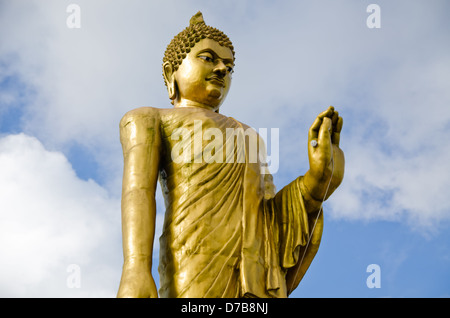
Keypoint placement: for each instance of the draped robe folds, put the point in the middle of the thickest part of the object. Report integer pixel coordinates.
(224, 234)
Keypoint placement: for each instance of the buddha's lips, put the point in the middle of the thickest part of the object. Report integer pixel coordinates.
(216, 80)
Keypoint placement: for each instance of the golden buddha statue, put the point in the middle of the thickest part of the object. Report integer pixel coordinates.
(226, 233)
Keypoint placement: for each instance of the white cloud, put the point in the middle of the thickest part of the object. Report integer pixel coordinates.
(385, 182)
(51, 219)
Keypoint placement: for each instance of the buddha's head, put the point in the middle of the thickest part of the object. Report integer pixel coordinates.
(197, 66)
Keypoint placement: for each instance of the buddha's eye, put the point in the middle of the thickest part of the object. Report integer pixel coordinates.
(230, 69)
(206, 57)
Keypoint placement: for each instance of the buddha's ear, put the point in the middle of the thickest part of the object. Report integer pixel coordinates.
(170, 80)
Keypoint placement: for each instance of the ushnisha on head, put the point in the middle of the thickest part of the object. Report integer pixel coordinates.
(197, 65)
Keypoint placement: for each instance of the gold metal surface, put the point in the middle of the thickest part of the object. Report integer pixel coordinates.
(227, 232)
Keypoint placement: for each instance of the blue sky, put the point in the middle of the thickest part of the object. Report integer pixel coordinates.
(63, 92)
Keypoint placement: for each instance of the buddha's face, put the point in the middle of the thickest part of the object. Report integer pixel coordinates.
(204, 76)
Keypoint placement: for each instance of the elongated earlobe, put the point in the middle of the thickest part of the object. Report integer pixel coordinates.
(170, 80)
(172, 90)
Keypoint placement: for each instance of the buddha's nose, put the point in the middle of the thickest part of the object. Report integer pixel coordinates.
(220, 68)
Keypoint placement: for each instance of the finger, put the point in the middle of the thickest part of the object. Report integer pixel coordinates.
(324, 138)
(339, 125)
(327, 113)
(335, 118)
(336, 136)
(314, 129)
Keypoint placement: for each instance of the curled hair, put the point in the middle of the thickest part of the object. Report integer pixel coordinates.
(184, 41)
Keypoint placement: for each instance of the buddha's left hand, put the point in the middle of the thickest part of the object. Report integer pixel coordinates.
(326, 159)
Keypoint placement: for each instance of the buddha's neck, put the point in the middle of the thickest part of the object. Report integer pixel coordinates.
(190, 103)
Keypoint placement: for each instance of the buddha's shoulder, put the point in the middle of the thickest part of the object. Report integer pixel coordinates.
(151, 115)
(143, 113)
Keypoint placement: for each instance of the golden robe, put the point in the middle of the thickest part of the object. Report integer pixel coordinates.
(225, 234)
